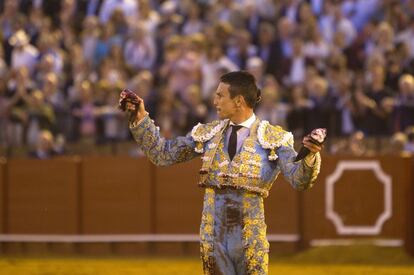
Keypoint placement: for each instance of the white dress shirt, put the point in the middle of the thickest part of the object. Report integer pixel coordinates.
(242, 133)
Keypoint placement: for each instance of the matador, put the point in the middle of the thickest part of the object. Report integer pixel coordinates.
(242, 156)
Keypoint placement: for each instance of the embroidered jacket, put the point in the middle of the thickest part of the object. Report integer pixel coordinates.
(264, 154)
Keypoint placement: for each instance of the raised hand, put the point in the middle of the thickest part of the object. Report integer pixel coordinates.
(132, 104)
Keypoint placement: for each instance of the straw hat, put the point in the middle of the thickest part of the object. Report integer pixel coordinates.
(20, 38)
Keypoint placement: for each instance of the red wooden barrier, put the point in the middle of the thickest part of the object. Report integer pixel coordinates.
(116, 195)
(42, 196)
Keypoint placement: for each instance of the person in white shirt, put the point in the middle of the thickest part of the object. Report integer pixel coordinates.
(23, 54)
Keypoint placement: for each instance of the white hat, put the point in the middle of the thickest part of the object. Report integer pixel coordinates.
(20, 38)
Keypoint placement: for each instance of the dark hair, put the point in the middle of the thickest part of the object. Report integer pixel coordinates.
(242, 83)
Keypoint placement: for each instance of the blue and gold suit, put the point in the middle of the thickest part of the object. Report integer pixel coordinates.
(233, 229)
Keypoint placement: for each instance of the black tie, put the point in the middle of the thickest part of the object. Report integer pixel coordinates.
(233, 141)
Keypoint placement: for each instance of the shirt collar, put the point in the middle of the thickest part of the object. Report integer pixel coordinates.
(247, 123)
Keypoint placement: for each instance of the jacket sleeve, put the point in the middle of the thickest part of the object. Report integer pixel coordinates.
(299, 174)
(160, 151)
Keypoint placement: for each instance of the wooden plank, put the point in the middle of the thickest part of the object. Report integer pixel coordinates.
(3, 198)
(281, 208)
(178, 198)
(359, 199)
(42, 196)
(116, 195)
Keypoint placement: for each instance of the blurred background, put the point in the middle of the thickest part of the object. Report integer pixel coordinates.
(74, 184)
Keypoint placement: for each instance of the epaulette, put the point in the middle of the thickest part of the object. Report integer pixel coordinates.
(204, 132)
(271, 137)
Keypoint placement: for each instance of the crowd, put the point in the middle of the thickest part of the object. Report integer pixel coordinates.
(344, 65)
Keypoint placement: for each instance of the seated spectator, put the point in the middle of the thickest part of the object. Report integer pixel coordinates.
(404, 107)
(409, 146)
(354, 145)
(397, 144)
(44, 146)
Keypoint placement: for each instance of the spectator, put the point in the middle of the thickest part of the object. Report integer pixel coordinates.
(183, 68)
(213, 62)
(407, 36)
(283, 47)
(378, 103)
(256, 68)
(171, 113)
(405, 103)
(149, 17)
(143, 84)
(140, 50)
(355, 145)
(242, 49)
(300, 104)
(316, 49)
(89, 38)
(128, 7)
(4, 115)
(49, 45)
(193, 23)
(296, 64)
(333, 21)
(307, 22)
(267, 49)
(23, 53)
(229, 11)
(85, 114)
(321, 113)
(20, 87)
(409, 146)
(106, 40)
(271, 107)
(382, 40)
(398, 143)
(44, 146)
(197, 110)
(111, 117)
(41, 116)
